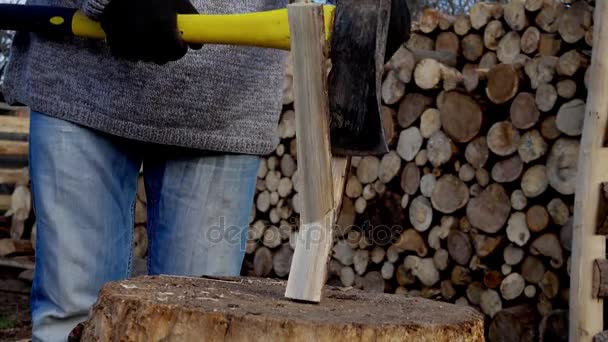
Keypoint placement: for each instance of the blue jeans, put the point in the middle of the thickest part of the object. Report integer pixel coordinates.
(84, 185)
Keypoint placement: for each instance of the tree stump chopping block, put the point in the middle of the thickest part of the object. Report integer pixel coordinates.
(164, 308)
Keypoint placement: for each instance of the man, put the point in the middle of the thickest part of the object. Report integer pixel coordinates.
(196, 119)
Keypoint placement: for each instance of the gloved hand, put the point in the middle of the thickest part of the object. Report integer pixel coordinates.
(146, 30)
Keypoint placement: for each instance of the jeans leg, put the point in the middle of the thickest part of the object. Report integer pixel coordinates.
(84, 186)
(198, 212)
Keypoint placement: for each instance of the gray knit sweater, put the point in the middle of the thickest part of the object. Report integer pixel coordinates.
(221, 98)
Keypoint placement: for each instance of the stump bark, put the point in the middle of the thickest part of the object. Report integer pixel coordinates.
(163, 308)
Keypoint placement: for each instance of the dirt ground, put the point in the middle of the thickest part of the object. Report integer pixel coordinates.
(15, 322)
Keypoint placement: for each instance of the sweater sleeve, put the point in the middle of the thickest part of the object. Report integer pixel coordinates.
(94, 8)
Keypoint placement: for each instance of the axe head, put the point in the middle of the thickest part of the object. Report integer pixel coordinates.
(366, 34)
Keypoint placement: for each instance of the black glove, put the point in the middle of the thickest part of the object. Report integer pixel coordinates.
(146, 30)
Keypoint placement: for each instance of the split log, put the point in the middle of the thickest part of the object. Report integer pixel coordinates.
(532, 269)
(570, 117)
(410, 178)
(532, 146)
(503, 83)
(512, 286)
(489, 211)
(392, 88)
(439, 149)
(411, 107)
(492, 35)
(549, 44)
(559, 211)
(537, 218)
(509, 47)
(477, 153)
(570, 62)
(540, 70)
(466, 173)
(515, 15)
(546, 96)
(262, 262)
(513, 255)
(517, 323)
(410, 240)
(517, 229)
(459, 247)
(507, 170)
(503, 138)
(518, 200)
(448, 42)
(482, 12)
(430, 122)
(472, 47)
(421, 213)
(548, 245)
(535, 181)
(389, 167)
(530, 40)
(566, 88)
(575, 21)
(490, 302)
(461, 116)
(524, 113)
(548, 128)
(562, 165)
(450, 194)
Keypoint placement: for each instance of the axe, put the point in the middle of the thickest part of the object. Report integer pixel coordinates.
(336, 116)
(362, 35)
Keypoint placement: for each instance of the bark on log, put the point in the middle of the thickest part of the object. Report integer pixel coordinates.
(133, 309)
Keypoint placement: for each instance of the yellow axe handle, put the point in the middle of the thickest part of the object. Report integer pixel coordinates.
(269, 29)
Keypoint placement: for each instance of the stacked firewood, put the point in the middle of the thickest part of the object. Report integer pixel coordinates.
(473, 204)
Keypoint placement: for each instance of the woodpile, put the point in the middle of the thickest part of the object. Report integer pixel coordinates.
(473, 204)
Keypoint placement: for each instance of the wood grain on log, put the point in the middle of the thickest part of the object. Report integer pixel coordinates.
(450, 194)
(503, 138)
(562, 165)
(509, 47)
(512, 286)
(548, 245)
(482, 12)
(489, 211)
(493, 32)
(517, 229)
(537, 218)
(118, 300)
(449, 42)
(532, 269)
(461, 116)
(570, 117)
(515, 15)
(503, 83)
(477, 152)
(524, 113)
(439, 149)
(459, 247)
(392, 88)
(530, 40)
(549, 44)
(410, 240)
(411, 107)
(507, 170)
(410, 178)
(548, 128)
(462, 25)
(540, 70)
(548, 17)
(566, 88)
(575, 21)
(532, 146)
(472, 47)
(513, 255)
(421, 213)
(535, 181)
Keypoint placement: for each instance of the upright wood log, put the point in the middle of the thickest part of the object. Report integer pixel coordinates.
(199, 309)
(586, 313)
(308, 268)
